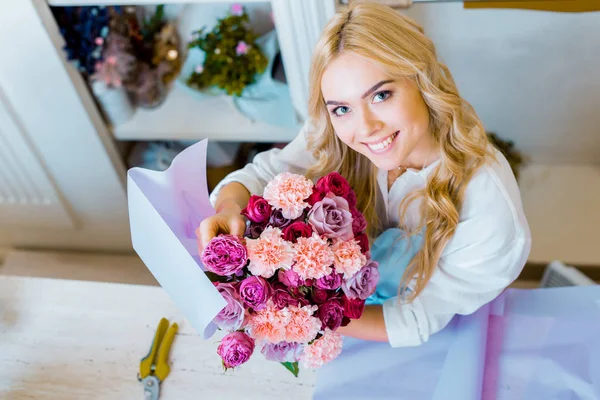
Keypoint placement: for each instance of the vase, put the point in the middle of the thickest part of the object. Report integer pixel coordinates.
(114, 102)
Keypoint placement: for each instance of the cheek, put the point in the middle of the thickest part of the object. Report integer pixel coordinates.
(343, 130)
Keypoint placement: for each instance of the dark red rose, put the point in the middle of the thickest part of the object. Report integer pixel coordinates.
(363, 242)
(295, 230)
(353, 308)
(359, 223)
(315, 197)
(338, 185)
(331, 314)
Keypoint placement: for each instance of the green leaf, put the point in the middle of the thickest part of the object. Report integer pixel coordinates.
(292, 367)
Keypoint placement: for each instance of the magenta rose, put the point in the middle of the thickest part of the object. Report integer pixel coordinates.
(363, 283)
(295, 230)
(282, 298)
(254, 292)
(289, 278)
(277, 219)
(353, 308)
(231, 317)
(331, 218)
(224, 255)
(283, 351)
(235, 349)
(338, 185)
(258, 210)
(330, 282)
(359, 223)
(331, 314)
(363, 242)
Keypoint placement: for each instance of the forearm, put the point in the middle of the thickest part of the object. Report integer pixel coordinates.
(370, 326)
(232, 196)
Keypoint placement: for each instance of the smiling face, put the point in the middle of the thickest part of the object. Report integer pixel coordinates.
(386, 120)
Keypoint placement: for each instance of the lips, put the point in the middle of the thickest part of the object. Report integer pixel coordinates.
(382, 145)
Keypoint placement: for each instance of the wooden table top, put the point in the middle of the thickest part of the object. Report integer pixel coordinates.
(65, 339)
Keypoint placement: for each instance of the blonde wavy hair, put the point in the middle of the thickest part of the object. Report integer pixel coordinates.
(398, 45)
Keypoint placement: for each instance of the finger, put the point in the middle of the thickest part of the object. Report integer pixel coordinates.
(237, 227)
(208, 230)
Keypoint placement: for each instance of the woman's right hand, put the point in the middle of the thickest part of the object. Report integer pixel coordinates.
(227, 220)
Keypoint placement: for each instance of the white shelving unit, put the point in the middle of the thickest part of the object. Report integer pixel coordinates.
(183, 117)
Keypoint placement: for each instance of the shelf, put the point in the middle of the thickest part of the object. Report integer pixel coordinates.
(183, 117)
(561, 205)
(72, 3)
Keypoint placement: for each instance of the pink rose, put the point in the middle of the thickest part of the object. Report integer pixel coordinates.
(331, 218)
(330, 282)
(254, 292)
(338, 185)
(289, 278)
(282, 298)
(359, 224)
(224, 255)
(235, 349)
(258, 210)
(296, 230)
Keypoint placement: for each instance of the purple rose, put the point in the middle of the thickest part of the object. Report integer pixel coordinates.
(254, 292)
(277, 219)
(224, 255)
(282, 297)
(235, 349)
(359, 223)
(289, 278)
(363, 283)
(330, 282)
(331, 314)
(283, 351)
(331, 218)
(231, 317)
(258, 210)
(253, 230)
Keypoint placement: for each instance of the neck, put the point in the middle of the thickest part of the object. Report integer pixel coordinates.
(422, 155)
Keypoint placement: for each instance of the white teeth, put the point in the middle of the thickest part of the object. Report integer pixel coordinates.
(382, 145)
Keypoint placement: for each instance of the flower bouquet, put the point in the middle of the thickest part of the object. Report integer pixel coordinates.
(301, 270)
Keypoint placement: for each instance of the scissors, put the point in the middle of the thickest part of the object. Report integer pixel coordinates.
(154, 368)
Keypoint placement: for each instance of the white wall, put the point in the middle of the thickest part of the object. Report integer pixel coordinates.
(532, 76)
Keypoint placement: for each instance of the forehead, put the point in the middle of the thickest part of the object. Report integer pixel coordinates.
(349, 76)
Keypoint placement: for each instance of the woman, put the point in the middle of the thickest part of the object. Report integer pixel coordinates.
(442, 203)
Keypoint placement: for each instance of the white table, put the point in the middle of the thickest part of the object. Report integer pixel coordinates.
(64, 339)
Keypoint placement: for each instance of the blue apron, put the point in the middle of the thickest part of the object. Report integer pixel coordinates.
(393, 251)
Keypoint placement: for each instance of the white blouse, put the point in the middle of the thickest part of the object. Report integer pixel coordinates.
(486, 254)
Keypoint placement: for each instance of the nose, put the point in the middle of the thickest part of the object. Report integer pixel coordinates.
(370, 125)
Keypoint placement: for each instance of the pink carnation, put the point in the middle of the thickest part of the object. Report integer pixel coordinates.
(302, 327)
(323, 350)
(348, 257)
(313, 257)
(269, 324)
(269, 253)
(287, 192)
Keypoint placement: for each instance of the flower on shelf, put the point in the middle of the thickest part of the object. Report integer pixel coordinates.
(232, 59)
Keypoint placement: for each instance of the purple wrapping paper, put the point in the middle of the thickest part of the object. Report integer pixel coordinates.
(526, 344)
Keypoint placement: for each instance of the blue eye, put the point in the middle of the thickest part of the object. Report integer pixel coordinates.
(382, 96)
(339, 111)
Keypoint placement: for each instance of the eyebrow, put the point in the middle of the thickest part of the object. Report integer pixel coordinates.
(367, 93)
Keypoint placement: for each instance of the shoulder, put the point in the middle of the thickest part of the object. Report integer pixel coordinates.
(491, 217)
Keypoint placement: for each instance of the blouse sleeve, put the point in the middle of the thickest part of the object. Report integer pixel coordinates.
(486, 254)
(255, 175)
